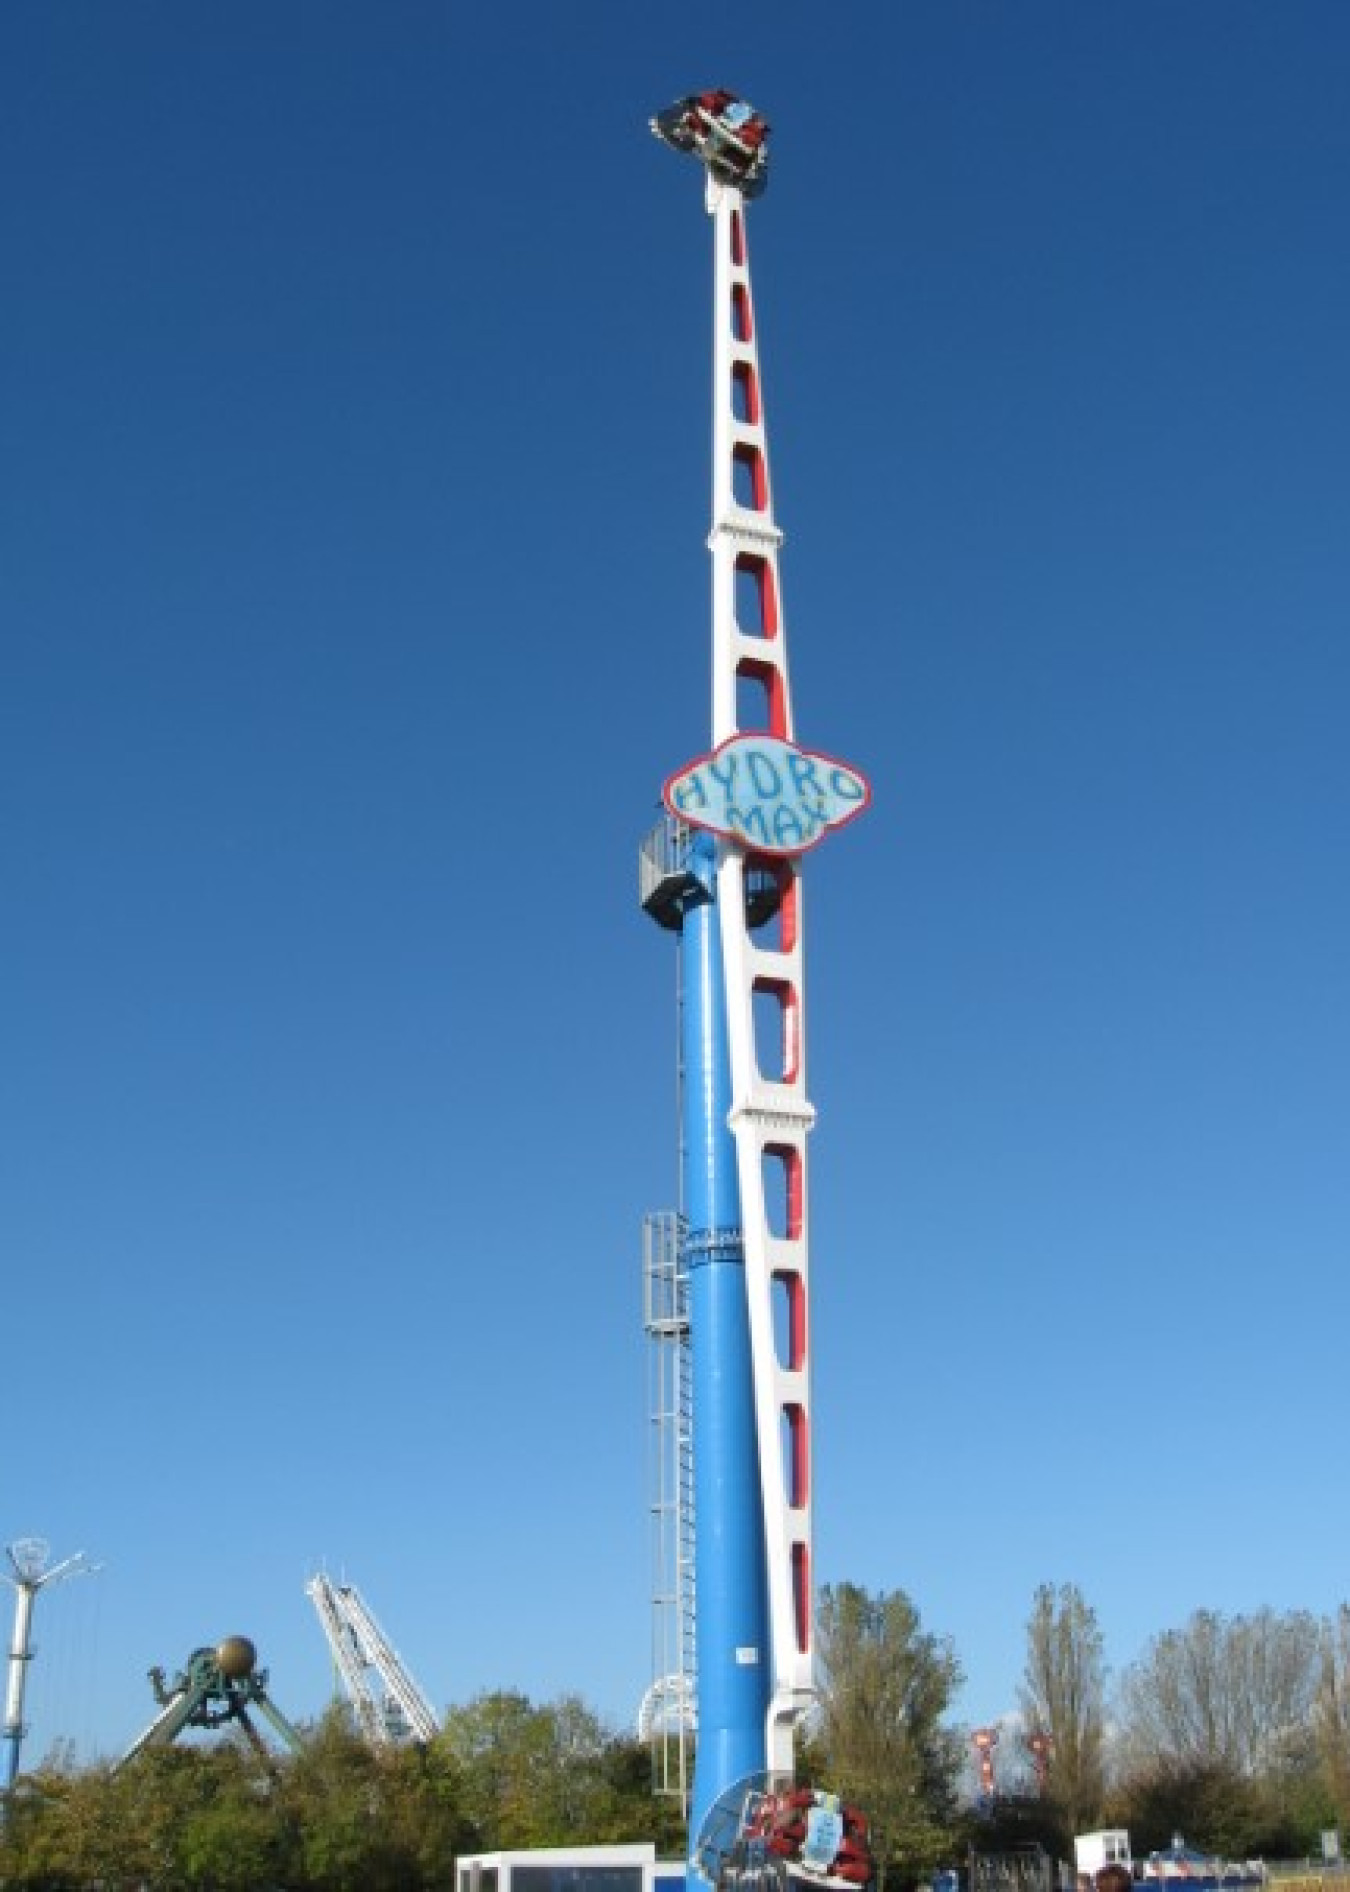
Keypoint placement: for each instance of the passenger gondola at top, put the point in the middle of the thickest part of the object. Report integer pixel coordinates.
(725, 132)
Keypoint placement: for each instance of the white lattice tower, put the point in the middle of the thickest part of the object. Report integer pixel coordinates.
(360, 1651)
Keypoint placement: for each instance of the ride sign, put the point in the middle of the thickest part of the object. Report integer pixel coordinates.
(824, 1834)
(767, 794)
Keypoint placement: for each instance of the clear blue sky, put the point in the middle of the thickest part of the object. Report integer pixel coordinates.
(353, 604)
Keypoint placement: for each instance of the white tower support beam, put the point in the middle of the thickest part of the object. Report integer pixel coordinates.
(770, 1114)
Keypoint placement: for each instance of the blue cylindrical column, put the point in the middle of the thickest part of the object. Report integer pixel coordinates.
(729, 1558)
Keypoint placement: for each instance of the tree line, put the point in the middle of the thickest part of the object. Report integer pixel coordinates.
(1233, 1730)
(340, 1815)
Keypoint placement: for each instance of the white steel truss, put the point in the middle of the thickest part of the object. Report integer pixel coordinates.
(765, 995)
(388, 1704)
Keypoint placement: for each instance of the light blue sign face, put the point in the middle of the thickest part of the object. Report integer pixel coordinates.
(824, 1836)
(767, 794)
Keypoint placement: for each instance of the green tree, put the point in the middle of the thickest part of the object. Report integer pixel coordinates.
(1237, 1816)
(367, 1819)
(340, 1816)
(182, 1817)
(56, 1830)
(1233, 1731)
(641, 1812)
(1222, 1695)
(540, 1775)
(1331, 1716)
(226, 1832)
(1062, 1696)
(886, 1684)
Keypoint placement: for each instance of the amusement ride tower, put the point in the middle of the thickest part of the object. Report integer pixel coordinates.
(33, 1571)
(722, 870)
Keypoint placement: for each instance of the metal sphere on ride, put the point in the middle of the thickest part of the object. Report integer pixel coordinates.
(236, 1657)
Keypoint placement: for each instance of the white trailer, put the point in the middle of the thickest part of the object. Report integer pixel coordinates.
(630, 1868)
(1111, 1847)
